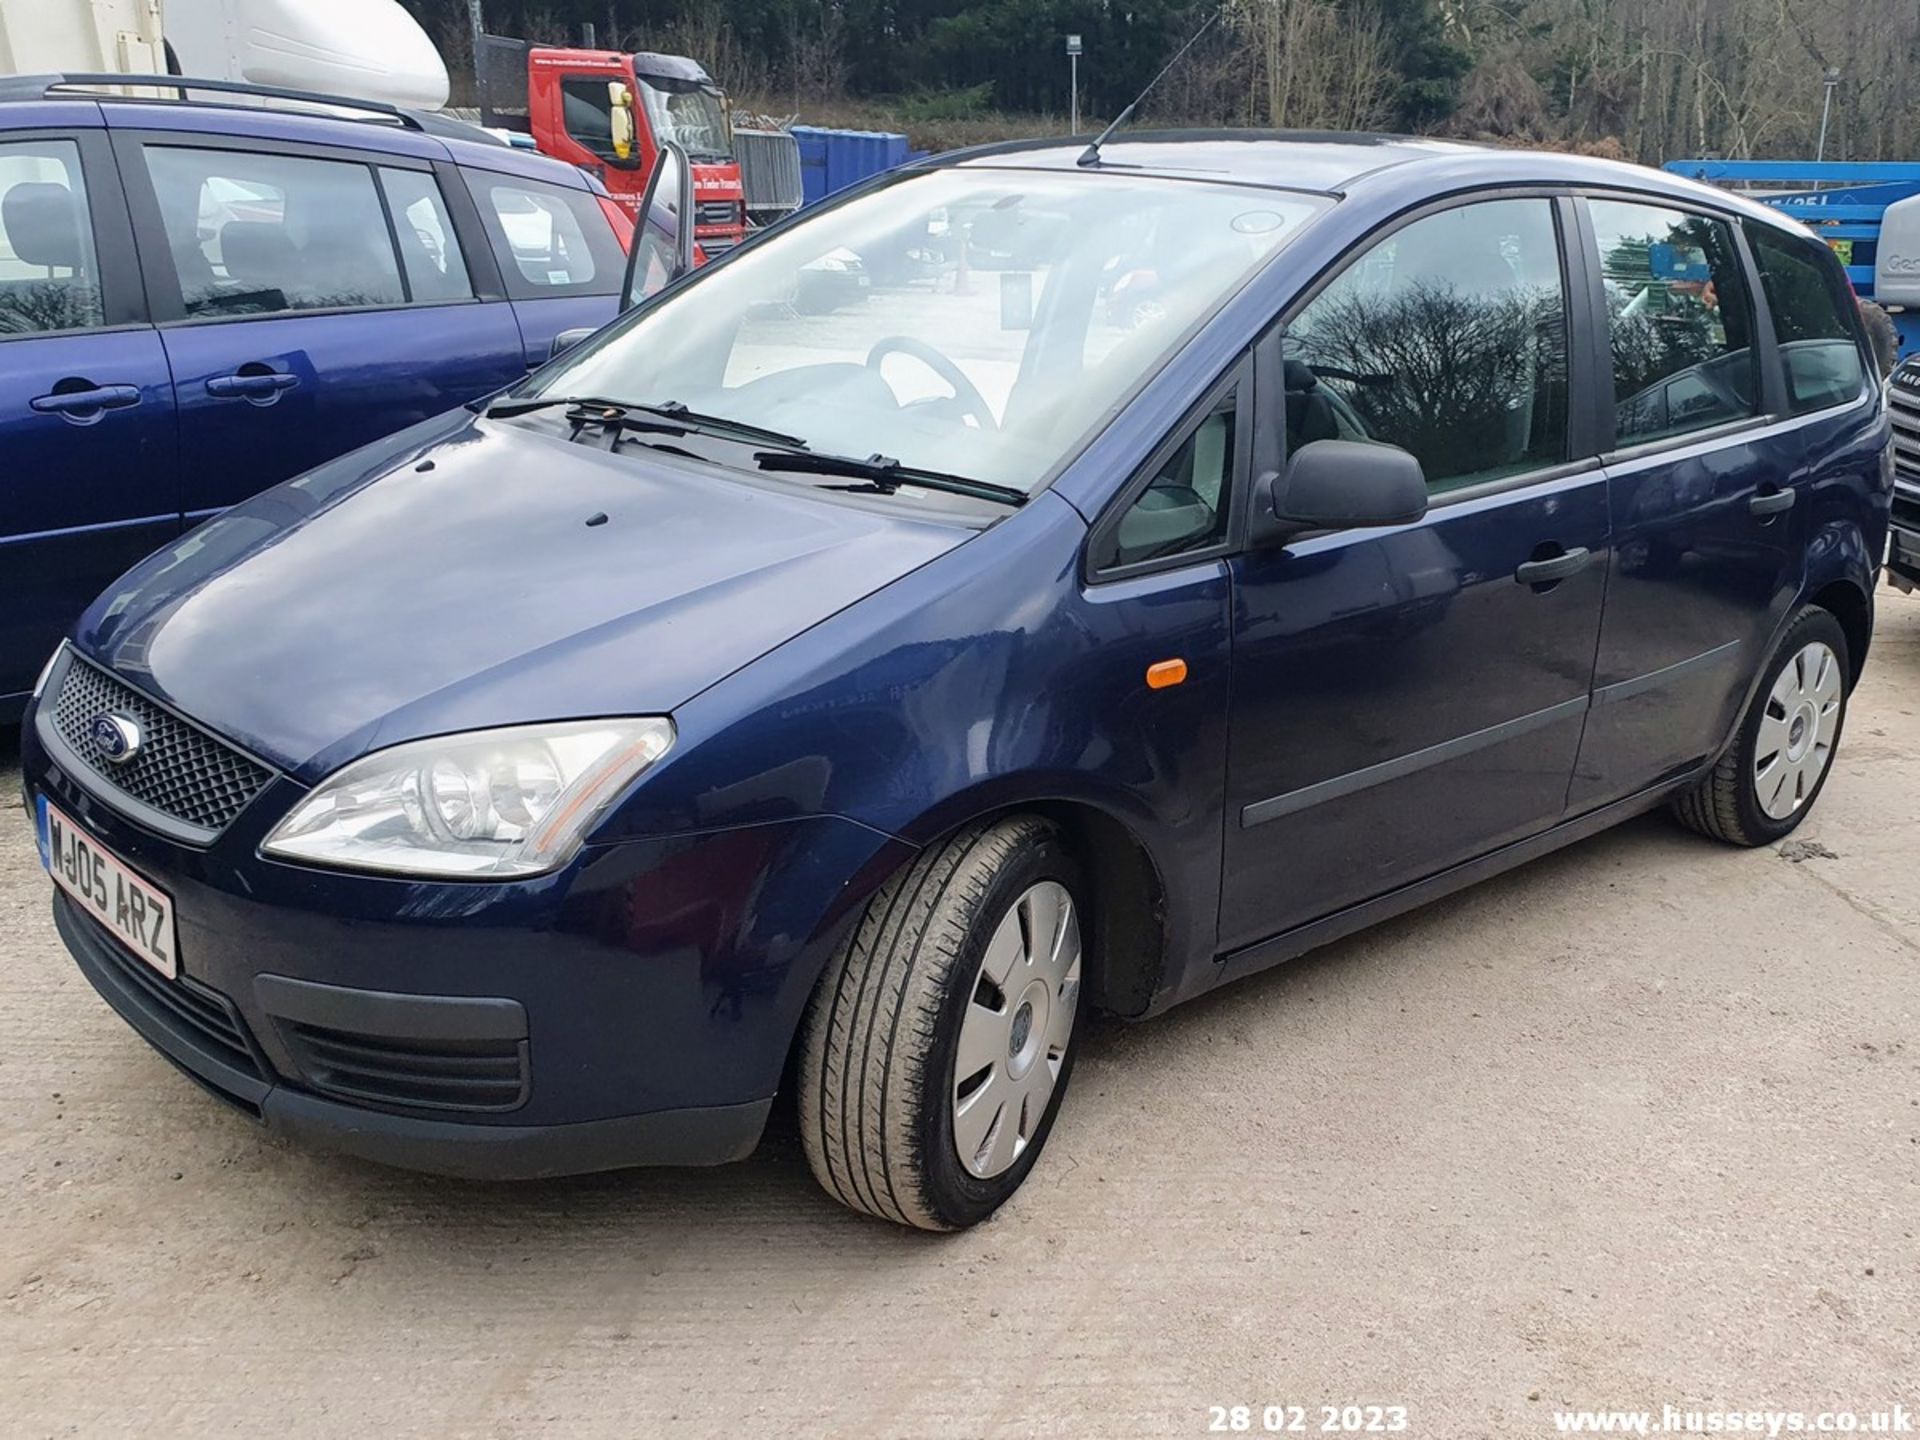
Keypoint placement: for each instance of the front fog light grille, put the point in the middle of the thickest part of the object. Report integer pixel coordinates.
(433, 1074)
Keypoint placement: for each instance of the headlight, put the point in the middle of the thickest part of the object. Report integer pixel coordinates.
(484, 805)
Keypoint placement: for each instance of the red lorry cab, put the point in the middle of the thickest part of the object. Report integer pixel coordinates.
(609, 112)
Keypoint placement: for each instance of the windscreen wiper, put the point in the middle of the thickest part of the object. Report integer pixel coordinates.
(885, 474)
(595, 410)
(506, 409)
(720, 424)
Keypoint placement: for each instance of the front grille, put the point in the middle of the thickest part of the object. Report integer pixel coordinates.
(1906, 507)
(424, 1074)
(717, 212)
(180, 770)
(197, 1017)
(714, 245)
(1903, 409)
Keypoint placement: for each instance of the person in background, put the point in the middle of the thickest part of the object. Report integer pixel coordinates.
(1883, 337)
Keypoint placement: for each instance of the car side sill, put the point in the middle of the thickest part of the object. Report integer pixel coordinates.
(1291, 944)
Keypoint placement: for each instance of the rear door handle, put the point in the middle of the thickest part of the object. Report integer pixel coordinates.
(85, 406)
(1554, 567)
(1772, 502)
(265, 386)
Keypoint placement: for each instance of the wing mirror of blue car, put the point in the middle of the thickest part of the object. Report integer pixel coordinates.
(662, 247)
(567, 339)
(1338, 485)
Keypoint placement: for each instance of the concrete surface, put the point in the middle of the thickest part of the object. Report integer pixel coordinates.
(1639, 1124)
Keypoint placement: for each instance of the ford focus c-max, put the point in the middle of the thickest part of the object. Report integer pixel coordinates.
(1183, 559)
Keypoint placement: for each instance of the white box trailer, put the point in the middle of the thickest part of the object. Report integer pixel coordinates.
(124, 37)
(361, 49)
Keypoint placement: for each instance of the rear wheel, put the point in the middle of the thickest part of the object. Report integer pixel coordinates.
(940, 1041)
(1768, 780)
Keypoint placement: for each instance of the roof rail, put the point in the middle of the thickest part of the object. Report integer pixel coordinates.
(45, 87)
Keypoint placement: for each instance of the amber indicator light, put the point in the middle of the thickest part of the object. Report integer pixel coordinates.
(1163, 673)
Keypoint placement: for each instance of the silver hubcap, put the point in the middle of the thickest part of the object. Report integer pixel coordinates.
(1014, 1035)
(1796, 733)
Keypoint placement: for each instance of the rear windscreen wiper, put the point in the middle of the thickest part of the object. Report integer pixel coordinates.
(886, 474)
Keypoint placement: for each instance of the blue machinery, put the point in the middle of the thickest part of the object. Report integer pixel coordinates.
(1846, 204)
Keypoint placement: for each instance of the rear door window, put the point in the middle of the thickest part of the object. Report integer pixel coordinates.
(253, 234)
(1815, 318)
(49, 275)
(549, 239)
(1679, 321)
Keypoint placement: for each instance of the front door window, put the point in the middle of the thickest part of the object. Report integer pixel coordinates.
(1448, 339)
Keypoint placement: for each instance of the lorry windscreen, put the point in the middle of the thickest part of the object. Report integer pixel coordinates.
(687, 112)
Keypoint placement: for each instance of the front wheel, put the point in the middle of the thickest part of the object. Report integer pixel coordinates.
(1768, 780)
(940, 1041)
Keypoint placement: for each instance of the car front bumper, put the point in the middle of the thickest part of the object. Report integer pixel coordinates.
(635, 1008)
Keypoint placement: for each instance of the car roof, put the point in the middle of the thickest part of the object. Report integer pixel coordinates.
(423, 136)
(1338, 163)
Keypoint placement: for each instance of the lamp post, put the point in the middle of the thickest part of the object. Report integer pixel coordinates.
(1829, 82)
(1073, 83)
(476, 27)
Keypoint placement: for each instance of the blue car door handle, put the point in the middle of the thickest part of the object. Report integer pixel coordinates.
(1771, 502)
(266, 385)
(85, 406)
(1554, 568)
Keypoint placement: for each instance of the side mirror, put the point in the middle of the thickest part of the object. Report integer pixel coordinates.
(567, 339)
(662, 249)
(620, 118)
(1339, 485)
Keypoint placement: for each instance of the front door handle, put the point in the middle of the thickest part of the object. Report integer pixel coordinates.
(1554, 568)
(1771, 502)
(263, 386)
(85, 405)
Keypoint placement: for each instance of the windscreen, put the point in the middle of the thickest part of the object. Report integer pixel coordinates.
(969, 321)
(689, 114)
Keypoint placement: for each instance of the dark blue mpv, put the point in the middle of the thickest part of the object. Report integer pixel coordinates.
(1147, 570)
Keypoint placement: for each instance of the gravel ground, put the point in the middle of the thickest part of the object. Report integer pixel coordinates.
(1637, 1124)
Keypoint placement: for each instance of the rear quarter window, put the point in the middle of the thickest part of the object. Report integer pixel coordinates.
(549, 239)
(1815, 318)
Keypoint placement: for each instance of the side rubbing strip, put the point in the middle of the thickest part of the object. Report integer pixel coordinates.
(1293, 801)
(1653, 680)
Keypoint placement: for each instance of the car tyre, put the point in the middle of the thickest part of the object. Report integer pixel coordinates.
(912, 996)
(1769, 778)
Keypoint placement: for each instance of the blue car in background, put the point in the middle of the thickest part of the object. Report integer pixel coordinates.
(754, 699)
(199, 300)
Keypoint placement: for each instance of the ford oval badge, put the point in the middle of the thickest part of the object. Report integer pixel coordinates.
(117, 736)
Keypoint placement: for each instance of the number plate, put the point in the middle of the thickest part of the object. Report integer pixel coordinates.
(139, 914)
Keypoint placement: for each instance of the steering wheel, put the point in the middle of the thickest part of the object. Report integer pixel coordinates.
(966, 395)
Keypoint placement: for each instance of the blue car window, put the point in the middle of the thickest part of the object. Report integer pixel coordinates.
(1448, 339)
(1815, 318)
(1679, 319)
(1184, 507)
(49, 278)
(256, 234)
(978, 322)
(436, 270)
(544, 237)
